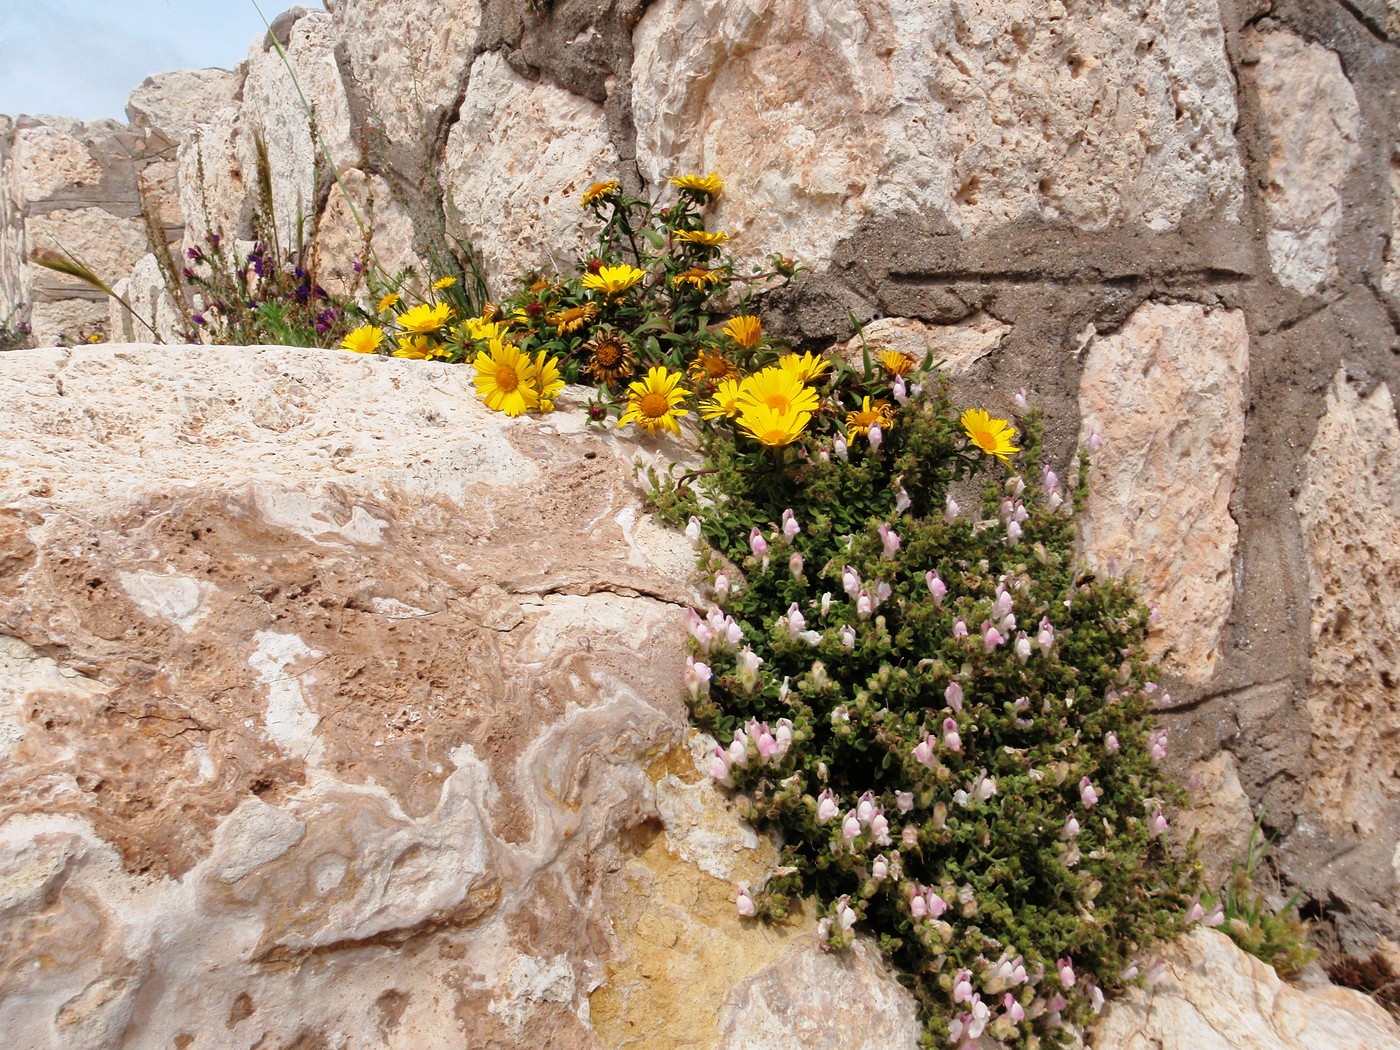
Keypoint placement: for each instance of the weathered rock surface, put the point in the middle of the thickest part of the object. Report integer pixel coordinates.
(1166, 393)
(169, 104)
(1215, 997)
(1312, 125)
(335, 708)
(983, 113)
(518, 161)
(302, 116)
(960, 346)
(1350, 508)
(362, 222)
(408, 59)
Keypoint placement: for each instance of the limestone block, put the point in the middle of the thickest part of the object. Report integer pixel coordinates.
(985, 112)
(518, 160)
(48, 159)
(1312, 124)
(367, 728)
(1167, 395)
(1219, 815)
(105, 243)
(214, 198)
(64, 322)
(340, 242)
(146, 293)
(1215, 997)
(409, 59)
(170, 104)
(273, 110)
(959, 345)
(1350, 509)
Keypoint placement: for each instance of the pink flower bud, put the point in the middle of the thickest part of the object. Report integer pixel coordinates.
(790, 526)
(918, 907)
(1095, 440)
(900, 391)
(1087, 794)
(796, 623)
(1013, 533)
(719, 766)
(1157, 823)
(865, 605)
(850, 827)
(1216, 915)
(721, 586)
(954, 695)
(936, 904)
(876, 436)
(845, 915)
(865, 808)
(923, 753)
(1071, 829)
(1045, 637)
(697, 677)
(880, 868)
(909, 837)
(959, 628)
(880, 829)
(826, 604)
(738, 751)
(991, 637)
(757, 543)
(962, 987)
(1023, 647)
(902, 502)
(749, 663)
(889, 539)
(745, 903)
(1066, 969)
(692, 531)
(1110, 741)
(1021, 400)
(848, 638)
(936, 586)
(839, 449)
(850, 582)
(1195, 913)
(795, 565)
(904, 801)
(1157, 745)
(950, 510)
(1014, 1010)
(827, 809)
(950, 735)
(1001, 608)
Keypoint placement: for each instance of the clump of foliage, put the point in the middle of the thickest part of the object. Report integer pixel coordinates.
(944, 718)
(1374, 976)
(1279, 936)
(15, 335)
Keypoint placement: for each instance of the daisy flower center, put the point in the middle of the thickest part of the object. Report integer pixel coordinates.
(654, 405)
(507, 379)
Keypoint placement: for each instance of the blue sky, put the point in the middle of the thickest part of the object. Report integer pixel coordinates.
(81, 58)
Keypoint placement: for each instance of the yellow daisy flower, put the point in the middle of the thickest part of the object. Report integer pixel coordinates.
(895, 362)
(416, 347)
(654, 403)
(548, 382)
(444, 282)
(725, 403)
(862, 419)
(572, 319)
(711, 367)
(772, 428)
(612, 360)
(778, 389)
(613, 280)
(506, 378)
(709, 240)
(807, 367)
(699, 277)
(745, 330)
(710, 185)
(424, 319)
(992, 436)
(389, 301)
(363, 340)
(599, 192)
(481, 330)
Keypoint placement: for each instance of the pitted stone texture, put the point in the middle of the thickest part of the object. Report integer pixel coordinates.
(213, 195)
(105, 243)
(959, 346)
(1312, 127)
(1215, 997)
(340, 241)
(67, 321)
(409, 59)
(273, 108)
(48, 158)
(170, 104)
(145, 292)
(341, 711)
(1167, 395)
(984, 112)
(1219, 815)
(1350, 508)
(518, 161)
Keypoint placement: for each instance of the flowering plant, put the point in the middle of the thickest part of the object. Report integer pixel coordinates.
(943, 716)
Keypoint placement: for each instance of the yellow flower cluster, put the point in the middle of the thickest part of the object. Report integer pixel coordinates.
(774, 405)
(511, 381)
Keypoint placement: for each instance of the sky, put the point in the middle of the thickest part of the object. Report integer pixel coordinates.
(82, 58)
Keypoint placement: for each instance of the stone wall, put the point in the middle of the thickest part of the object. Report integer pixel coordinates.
(1177, 223)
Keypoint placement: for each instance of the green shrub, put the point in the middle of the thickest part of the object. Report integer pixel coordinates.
(962, 765)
